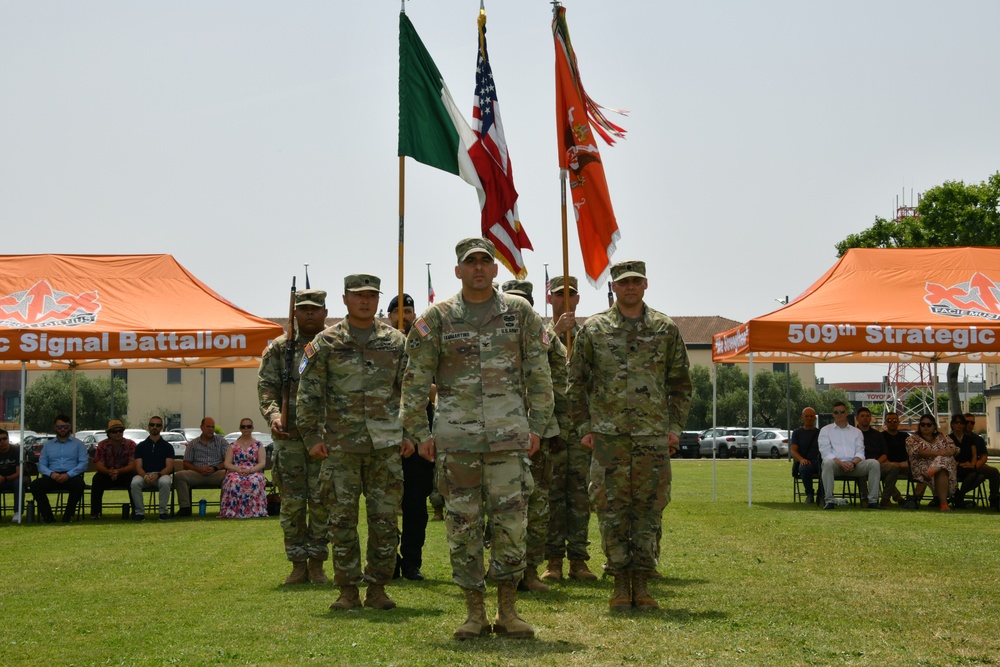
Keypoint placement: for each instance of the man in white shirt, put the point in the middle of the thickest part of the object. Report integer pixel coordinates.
(842, 447)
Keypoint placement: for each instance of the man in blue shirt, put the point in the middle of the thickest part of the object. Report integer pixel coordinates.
(60, 467)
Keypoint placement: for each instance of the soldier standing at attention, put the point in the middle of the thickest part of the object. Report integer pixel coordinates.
(569, 505)
(630, 393)
(487, 353)
(541, 464)
(348, 412)
(303, 516)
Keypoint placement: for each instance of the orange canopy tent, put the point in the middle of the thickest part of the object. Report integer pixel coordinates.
(120, 311)
(919, 305)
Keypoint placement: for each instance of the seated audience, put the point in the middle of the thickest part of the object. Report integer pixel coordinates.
(965, 463)
(805, 453)
(932, 462)
(895, 451)
(203, 465)
(875, 450)
(991, 474)
(10, 471)
(154, 461)
(843, 450)
(244, 494)
(60, 468)
(115, 462)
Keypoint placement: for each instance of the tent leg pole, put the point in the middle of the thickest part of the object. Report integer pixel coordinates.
(750, 440)
(715, 387)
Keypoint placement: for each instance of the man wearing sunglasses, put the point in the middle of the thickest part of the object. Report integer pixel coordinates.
(115, 462)
(842, 447)
(895, 449)
(60, 467)
(991, 474)
(154, 461)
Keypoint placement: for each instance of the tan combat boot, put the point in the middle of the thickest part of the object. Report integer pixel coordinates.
(507, 622)
(316, 574)
(640, 596)
(553, 571)
(578, 570)
(531, 583)
(377, 598)
(475, 624)
(621, 596)
(349, 598)
(299, 575)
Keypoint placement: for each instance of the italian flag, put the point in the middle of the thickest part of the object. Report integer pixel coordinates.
(431, 128)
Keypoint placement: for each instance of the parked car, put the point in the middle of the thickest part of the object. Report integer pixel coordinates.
(771, 442)
(690, 447)
(739, 447)
(725, 441)
(14, 436)
(177, 441)
(34, 444)
(188, 433)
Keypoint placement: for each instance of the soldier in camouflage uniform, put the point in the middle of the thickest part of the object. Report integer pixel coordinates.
(487, 353)
(303, 516)
(569, 505)
(630, 392)
(348, 412)
(541, 462)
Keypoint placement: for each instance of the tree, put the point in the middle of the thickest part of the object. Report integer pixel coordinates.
(52, 394)
(949, 215)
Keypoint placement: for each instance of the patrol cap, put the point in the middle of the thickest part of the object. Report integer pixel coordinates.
(407, 301)
(362, 282)
(630, 269)
(556, 284)
(472, 245)
(310, 297)
(520, 288)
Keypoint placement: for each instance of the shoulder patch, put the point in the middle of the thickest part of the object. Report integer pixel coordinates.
(545, 336)
(422, 327)
(309, 352)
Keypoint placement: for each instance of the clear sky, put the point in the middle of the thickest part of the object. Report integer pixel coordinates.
(249, 137)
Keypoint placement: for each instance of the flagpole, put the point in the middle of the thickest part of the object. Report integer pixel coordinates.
(563, 176)
(402, 199)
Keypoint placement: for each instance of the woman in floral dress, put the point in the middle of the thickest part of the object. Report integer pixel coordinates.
(932, 462)
(244, 487)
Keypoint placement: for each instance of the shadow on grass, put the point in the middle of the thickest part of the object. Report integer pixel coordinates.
(495, 645)
(386, 616)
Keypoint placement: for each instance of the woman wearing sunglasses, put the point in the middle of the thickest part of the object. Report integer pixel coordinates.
(244, 487)
(932, 462)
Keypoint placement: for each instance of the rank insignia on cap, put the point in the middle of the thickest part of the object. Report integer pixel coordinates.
(422, 327)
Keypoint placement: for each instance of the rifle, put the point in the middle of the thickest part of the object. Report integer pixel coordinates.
(286, 374)
(611, 296)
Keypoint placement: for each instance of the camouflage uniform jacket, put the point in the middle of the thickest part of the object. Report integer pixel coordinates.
(348, 393)
(272, 365)
(559, 424)
(485, 377)
(629, 380)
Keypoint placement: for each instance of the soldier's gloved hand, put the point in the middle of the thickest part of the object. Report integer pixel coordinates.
(427, 449)
(277, 429)
(319, 451)
(588, 441)
(535, 443)
(406, 449)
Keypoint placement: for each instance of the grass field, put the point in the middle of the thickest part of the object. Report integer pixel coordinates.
(771, 584)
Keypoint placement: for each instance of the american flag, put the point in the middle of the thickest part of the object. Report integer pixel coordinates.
(500, 221)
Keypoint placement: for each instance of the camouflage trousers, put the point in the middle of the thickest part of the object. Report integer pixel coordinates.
(630, 487)
(538, 506)
(477, 487)
(303, 515)
(569, 504)
(345, 477)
